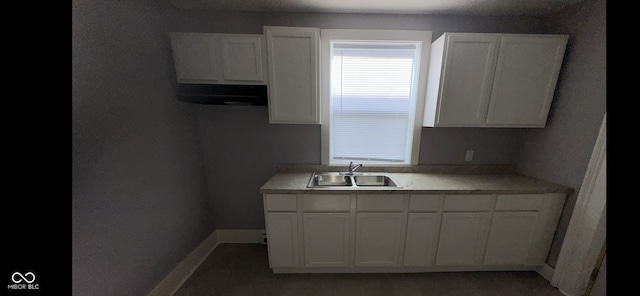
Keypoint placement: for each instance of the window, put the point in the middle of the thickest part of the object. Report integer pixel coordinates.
(373, 96)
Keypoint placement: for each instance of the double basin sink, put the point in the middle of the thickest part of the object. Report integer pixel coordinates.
(339, 179)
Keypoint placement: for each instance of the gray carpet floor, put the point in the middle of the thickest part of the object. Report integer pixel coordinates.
(243, 269)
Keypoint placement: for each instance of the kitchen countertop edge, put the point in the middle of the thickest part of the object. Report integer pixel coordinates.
(422, 183)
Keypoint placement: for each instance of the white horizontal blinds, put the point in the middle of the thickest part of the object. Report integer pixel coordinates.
(371, 89)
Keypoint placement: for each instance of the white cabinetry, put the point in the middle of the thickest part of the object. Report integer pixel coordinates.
(378, 239)
(326, 239)
(423, 226)
(210, 58)
(511, 237)
(293, 59)
(525, 80)
(399, 232)
(283, 239)
(282, 229)
(492, 80)
(462, 238)
(242, 57)
(195, 57)
(521, 229)
(461, 71)
(326, 229)
(379, 229)
(464, 229)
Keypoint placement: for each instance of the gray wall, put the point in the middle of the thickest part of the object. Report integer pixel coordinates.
(490, 145)
(239, 141)
(242, 151)
(560, 152)
(139, 197)
(152, 176)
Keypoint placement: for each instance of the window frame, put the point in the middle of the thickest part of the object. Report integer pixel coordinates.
(328, 35)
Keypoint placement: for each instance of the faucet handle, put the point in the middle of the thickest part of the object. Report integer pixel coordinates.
(353, 168)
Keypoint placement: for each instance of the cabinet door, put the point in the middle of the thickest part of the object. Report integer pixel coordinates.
(326, 239)
(293, 58)
(242, 57)
(525, 80)
(422, 237)
(511, 238)
(378, 239)
(463, 238)
(282, 239)
(469, 67)
(194, 57)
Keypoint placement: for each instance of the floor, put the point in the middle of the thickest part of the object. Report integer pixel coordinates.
(243, 269)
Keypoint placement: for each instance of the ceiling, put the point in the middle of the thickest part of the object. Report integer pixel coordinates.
(454, 7)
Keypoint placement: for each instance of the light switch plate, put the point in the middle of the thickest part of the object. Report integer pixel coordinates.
(469, 156)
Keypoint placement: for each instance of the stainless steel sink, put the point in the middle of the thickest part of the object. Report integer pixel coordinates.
(329, 179)
(339, 179)
(374, 180)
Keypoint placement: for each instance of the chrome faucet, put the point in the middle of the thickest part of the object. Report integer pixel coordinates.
(353, 168)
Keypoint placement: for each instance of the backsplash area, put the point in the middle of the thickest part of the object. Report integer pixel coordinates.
(436, 169)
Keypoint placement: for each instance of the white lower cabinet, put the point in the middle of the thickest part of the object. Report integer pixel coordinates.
(378, 239)
(522, 228)
(511, 238)
(282, 233)
(463, 237)
(422, 237)
(398, 232)
(326, 239)
(423, 227)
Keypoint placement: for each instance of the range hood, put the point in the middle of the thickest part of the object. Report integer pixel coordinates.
(223, 94)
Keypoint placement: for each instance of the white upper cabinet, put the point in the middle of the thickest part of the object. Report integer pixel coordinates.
(460, 74)
(242, 57)
(195, 57)
(293, 62)
(492, 80)
(219, 58)
(525, 80)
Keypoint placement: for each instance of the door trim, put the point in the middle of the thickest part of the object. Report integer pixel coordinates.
(586, 233)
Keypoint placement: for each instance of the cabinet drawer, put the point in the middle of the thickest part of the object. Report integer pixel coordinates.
(425, 202)
(326, 202)
(380, 203)
(519, 202)
(280, 202)
(468, 202)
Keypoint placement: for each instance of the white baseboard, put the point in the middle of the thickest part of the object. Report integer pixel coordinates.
(174, 280)
(546, 272)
